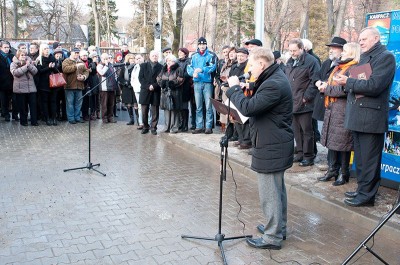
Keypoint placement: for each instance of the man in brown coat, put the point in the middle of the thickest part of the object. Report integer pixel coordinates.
(75, 77)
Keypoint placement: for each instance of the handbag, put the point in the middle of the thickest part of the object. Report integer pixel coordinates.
(56, 80)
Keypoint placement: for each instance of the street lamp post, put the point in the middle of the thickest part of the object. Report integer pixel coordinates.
(259, 19)
(158, 28)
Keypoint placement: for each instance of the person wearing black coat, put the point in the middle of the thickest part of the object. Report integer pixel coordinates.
(48, 96)
(367, 115)
(187, 90)
(301, 69)
(93, 84)
(6, 79)
(61, 107)
(150, 92)
(270, 111)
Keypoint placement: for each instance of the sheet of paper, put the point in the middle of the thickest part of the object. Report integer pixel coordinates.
(242, 117)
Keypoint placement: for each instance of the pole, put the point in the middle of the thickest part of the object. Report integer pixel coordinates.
(259, 20)
(157, 41)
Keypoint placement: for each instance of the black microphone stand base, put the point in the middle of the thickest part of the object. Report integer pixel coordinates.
(89, 166)
(218, 238)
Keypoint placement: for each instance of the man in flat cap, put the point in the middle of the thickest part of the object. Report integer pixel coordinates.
(201, 68)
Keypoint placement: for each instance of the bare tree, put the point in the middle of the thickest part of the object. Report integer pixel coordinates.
(213, 29)
(108, 29)
(177, 30)
(340, 18)
(15, 17)
(304, 20)
(96, 23)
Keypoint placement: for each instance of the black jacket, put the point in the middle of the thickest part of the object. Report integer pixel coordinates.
(187, 86)
(44, 72)
(300, 77)
(368, 112)
(6, 78)
(323, 75)
(148, 76)
(237, 69)
(270, 112)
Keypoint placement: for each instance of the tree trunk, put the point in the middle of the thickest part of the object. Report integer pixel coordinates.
(96, 23)
(238, 44)
(329, 9)
(228, 23)
(145, 25)
(339, 18)
(15, 15)
(275, 41)
(304, 20)
(198, 19)
(213, 29)
(108, 30)
(178, 26)
(203, 32)
(3, 19)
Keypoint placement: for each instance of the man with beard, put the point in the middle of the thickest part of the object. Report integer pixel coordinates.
(270, 102)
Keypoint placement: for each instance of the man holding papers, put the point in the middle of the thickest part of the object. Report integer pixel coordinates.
(270, 111)
(367, 114)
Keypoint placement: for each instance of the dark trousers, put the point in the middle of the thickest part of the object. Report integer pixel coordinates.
(48, 100)
(107, 99)
(85, 104)
(7, 96)
(317, 135)
(22, 101)
(304, 135)
(193, 113)
(243, 131)
(339, 161)
(61, 106)
(367, 155)
(155, 112)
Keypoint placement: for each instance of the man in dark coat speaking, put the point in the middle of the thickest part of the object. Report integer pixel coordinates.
(367, 115)
(270, 111)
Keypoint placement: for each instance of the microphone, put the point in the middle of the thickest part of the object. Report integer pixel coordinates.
(119, 64)
(241, 77)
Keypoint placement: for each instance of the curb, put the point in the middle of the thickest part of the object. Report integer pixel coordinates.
(296, 195)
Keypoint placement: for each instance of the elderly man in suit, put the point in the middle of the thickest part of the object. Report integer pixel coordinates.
(367, 115)
(150, 92)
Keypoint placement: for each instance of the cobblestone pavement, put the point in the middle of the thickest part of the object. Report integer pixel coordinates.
(153, 193)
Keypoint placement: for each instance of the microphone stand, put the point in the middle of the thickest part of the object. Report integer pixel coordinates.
(90, 165)
(219, 237)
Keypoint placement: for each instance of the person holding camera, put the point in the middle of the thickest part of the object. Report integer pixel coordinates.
(128, 95)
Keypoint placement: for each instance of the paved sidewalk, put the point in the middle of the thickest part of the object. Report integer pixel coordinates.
(154, 192)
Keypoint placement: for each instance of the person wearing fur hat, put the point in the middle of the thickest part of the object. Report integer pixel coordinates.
(61, 111)
(202, 68)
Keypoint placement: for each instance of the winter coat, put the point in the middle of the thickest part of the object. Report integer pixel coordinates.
(368, 100)
(171, 87)
(334, 136)
(44, 71)
(148, 76)
(107, 71)
(270, 111)
(300, 77)
(23, 77)
(70, 71)
(93, 79)
(6, 78)
(207, 62)
(135, 78)
(187, 86)
(323, 74)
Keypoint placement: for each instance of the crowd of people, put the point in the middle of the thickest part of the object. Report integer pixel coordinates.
(284, 99)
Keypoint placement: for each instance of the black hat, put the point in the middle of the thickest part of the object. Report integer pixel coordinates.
(55, 45)
(166, 49)
(277, 54)
(202, 40)
(58, 50)
(77, 50)
(337, 42)
(254, 42)
(243, 50)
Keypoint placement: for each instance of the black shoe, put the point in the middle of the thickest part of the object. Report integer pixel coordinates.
(351, 194)
(306, 163)
(24, 124)
(130, 123)
(341, 180)
(144, 131)
(154, 132)
(260, 243)
(15, 118)
(80, 121)
(49, 122)
(328, 176)
(354, 202)
(261, 229)
(197, 131)
(208, 131)
(7, 119)
(192, 128)
(35, 124)
(55, 123)
(298, 158)
(72, 122)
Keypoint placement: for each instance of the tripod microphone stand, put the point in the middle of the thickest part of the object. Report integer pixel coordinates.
(372, 234)
(90, 165)
(219, 237)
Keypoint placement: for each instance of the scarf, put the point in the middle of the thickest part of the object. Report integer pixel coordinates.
(341, 68)
(6, 57)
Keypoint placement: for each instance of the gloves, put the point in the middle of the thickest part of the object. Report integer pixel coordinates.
(171, 84)
(163, 83)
